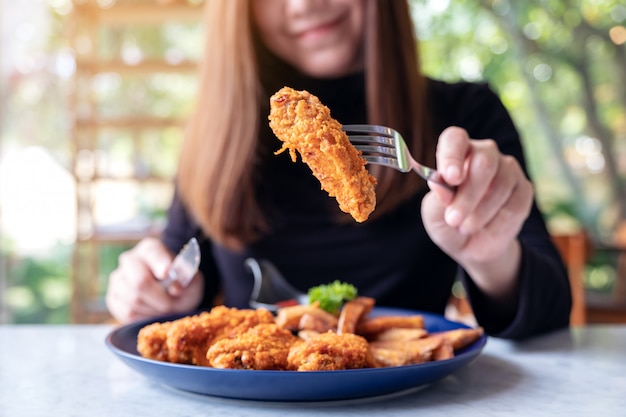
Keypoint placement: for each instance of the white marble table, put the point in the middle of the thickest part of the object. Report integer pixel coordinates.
(68, 371)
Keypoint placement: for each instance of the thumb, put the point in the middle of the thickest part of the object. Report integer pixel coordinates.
(444, 194)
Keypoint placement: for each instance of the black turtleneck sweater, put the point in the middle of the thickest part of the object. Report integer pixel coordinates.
(392, 258)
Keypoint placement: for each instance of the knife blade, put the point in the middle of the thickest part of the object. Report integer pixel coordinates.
(184, 266)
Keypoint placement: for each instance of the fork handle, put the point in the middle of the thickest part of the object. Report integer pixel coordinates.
(432, 175)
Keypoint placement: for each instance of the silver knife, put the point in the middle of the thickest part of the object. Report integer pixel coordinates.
(185, 265)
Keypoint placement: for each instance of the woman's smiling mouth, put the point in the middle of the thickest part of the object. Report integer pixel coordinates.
(319, 31)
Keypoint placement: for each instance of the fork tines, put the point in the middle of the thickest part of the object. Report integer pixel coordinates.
(383, 145)
(377, 143)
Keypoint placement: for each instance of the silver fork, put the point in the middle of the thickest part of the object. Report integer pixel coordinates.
(383, 145)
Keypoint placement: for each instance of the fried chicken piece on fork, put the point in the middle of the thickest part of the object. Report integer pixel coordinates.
(305, 125)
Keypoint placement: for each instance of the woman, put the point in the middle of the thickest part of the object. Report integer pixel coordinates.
(359, 57)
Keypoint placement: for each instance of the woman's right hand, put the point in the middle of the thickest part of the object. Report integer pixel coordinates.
(135, 291)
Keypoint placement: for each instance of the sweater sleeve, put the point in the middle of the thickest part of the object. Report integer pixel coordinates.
(544, 299)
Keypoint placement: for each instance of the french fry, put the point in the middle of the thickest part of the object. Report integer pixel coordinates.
(444, 351)
(307, 334)
(392, 340)
(405, 353)
(370, 327)
(289, 317)
(384, 357)
(368, 303)
(459, 338)
(350, 315)
(397, 334)
(317, 322)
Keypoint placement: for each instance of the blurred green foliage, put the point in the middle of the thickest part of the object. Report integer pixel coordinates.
(38, 291)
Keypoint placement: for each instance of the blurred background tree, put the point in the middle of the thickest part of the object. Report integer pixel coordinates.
(560, 68)
(558, 65)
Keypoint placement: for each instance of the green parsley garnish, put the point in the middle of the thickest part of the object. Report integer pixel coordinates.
(331, 297)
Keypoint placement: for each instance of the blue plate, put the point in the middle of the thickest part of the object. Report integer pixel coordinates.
(291, 386)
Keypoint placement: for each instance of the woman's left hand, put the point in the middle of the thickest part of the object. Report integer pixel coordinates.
(478, 224)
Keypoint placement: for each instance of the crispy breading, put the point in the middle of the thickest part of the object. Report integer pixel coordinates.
(151, 341)
(187, 339)
(330, 351)
(262, 347)
(305, 125)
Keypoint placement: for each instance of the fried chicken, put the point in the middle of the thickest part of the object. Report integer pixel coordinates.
(151, 341)
(264, 346)
(188, 339)
(330, 351)
(305, 125)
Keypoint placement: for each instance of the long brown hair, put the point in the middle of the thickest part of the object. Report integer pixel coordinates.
(216, 163)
